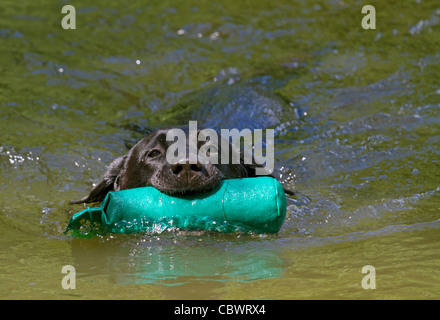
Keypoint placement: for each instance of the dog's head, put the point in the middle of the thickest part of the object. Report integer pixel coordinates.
(146, 164)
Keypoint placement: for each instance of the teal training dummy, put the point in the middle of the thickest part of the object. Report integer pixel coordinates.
(236, 205)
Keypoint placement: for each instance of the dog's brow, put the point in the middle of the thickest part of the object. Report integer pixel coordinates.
(161, 138)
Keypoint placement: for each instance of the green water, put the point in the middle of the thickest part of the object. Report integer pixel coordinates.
(357, 120)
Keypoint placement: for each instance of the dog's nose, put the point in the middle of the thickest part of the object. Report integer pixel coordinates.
(185, 166)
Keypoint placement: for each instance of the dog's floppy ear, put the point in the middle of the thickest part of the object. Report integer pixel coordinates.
(108, 182)
(251, 169)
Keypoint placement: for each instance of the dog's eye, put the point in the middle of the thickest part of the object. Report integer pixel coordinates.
(153, 154)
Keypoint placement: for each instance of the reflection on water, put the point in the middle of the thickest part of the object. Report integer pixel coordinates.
(175, 259)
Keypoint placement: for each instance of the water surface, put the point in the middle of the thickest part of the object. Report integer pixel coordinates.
(356, 115)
